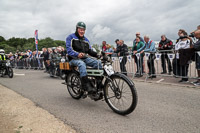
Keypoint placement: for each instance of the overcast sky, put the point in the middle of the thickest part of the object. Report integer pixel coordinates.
(105, 20)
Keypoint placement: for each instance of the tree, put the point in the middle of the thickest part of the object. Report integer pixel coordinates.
(2, 45)
(15, 42)
(31, 40)
(47, 42)
(28, 46)
(9, 49)
(19, 48)
(60, 43)
(23, 44)
(2, 39)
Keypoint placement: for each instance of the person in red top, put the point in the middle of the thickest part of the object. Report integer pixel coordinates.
(104, 46)
(165, 46)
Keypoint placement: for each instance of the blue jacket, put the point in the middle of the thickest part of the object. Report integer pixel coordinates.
(110, 50)
(150, 46)
(76, 45)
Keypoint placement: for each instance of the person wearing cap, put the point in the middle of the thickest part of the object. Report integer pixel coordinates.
(78, 46)
(138, 35)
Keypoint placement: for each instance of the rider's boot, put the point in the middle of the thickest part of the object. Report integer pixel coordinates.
(86, 85)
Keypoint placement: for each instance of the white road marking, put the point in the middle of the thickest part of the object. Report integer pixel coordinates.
(160, 80)
(17, 74)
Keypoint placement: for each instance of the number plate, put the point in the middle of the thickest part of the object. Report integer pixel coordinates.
(109, 70)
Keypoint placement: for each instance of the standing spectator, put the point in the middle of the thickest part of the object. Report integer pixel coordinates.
(34, 60)
(108, 48)
(103, 46)
(30, 53)
(12, 58)
(197, 48)
(150, 47)
(141, 39)
(45, 56)
(138, 35)
(165, 47)
(26, 64)
(19, 60)
(117, 42)
(138, 46)
(182, 43)
(40, 61)
(30, 58)
(122, 50)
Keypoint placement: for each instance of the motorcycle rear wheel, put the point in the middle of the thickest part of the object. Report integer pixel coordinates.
(73, 82)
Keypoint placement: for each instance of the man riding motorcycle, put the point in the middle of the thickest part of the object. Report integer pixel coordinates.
(2, 56)
(5, 68)
(77, 47)
(54, 62)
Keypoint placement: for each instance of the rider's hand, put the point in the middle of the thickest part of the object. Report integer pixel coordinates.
(98, 56)
(81, 55)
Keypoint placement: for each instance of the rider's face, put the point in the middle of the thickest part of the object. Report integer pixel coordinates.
(81, 32)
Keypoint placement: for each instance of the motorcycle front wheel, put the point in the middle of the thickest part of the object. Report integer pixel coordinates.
(73, 82)
(120, 94)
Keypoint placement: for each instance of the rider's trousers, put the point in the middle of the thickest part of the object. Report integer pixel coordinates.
(82, 63)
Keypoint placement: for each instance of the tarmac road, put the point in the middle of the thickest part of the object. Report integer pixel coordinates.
(161, 108)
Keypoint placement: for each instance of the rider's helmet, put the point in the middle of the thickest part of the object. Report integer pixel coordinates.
(2, 52)
(81, 25)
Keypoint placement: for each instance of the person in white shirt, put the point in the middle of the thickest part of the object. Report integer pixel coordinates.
(182, 43)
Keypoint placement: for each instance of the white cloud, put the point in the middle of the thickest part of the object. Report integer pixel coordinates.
(100, 32)
(105, 20)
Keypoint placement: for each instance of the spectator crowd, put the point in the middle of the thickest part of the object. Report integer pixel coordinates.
(184, 51)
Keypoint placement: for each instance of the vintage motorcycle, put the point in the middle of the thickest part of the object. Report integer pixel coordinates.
(54, 67)
(62, 68)
(6, 69)
(115, 88)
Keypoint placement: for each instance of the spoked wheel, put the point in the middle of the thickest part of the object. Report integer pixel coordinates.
(74, 85)
(120, 94)
(10, 72)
